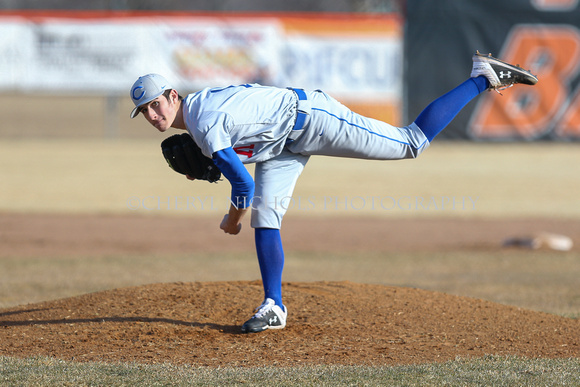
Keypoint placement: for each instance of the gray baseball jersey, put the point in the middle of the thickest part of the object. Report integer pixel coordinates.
(279, 129)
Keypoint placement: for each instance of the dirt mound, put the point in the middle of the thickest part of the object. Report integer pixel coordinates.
(329, 323)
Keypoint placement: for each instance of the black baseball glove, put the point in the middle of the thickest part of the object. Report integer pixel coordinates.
(185, 157)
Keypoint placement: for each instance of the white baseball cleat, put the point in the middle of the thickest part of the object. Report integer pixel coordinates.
(500, 75)
(268, 316)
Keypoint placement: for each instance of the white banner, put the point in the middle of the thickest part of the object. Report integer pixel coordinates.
(217, 53)
(16, 49)
(366, 67)
(107, 55)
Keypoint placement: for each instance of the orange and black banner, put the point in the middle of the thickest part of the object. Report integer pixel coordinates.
(542, 36)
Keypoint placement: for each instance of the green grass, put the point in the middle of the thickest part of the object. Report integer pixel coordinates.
(487, 371)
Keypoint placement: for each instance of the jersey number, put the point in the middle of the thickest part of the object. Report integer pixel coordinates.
(246, 150)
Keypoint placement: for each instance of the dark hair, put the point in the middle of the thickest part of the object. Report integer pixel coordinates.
(168, 91)
(166, 95)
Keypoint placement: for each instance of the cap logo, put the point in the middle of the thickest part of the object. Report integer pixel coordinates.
(137, 97)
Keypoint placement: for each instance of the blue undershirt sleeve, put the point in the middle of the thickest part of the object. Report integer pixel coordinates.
(234, 170)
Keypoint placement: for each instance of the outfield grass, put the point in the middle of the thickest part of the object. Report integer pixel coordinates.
(487, 371)
(503, 180)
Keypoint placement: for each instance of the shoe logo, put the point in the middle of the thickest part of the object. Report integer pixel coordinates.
(273, 320)
(505, 75)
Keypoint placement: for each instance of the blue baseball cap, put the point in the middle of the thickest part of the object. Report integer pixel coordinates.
(146, 89)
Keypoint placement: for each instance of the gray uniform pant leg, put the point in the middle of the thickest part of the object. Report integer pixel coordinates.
(335, 130)
(275, 180)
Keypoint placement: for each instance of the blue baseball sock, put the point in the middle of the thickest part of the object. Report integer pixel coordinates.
(271, 260)
(435, 117)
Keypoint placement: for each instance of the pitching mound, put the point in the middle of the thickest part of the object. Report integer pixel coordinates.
(329, 323)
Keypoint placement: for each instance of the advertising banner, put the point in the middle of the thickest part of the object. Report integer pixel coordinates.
(542, 36)
(16, 49)
(356, 59)
(80, 58)
(202, 52)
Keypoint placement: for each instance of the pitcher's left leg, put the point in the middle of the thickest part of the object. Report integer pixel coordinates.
(335, 130)
(275, 180)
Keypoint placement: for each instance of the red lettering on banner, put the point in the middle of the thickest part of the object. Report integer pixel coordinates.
(246, 150)
(553, 53)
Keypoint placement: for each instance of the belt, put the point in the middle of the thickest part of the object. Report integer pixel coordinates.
(302, 112)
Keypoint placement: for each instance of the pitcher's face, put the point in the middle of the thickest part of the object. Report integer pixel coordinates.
(161, 112)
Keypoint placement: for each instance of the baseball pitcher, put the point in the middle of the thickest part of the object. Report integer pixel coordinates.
(279, 129)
